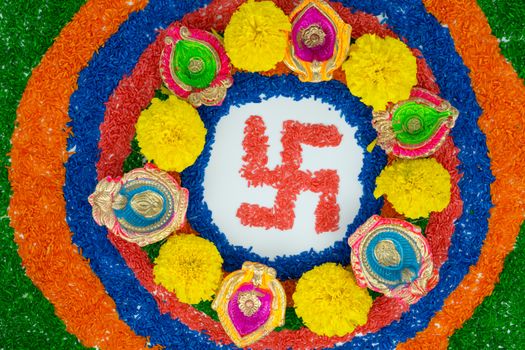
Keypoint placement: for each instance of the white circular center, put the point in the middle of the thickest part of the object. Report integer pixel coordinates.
(225, 188)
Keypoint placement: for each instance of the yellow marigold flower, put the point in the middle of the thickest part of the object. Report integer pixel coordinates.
(329, 300)
(171, 134)
(380, 70)
(190, 266)
(415, 187)
(257, 36)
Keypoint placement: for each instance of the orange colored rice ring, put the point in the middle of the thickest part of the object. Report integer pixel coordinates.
(37, 208)
(501, 95)
(71, 307)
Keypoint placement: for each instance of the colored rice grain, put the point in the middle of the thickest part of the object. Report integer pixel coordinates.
(377, 316)
(287, 178)
(491, 76)
(36, 326)
(47, 96)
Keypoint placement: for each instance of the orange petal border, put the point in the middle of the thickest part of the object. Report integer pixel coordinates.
(501, 95)
(37, 208)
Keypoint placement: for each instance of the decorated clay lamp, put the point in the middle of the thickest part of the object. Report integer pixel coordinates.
(416, 127)
(144, 206)
(195, 67)
(392, 257)
(251, 303)
(319, 41)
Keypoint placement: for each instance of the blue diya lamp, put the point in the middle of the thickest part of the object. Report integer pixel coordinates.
(392, 257)
(416, 127)
(250, 303)
(144, 206)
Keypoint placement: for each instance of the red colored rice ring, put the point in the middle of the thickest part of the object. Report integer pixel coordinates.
(134, 93)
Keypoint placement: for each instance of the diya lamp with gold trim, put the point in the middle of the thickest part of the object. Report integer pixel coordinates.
(251, 302)
(195, 67)
(416, 127)
(392, 257)
(144, 206)
(319, 41)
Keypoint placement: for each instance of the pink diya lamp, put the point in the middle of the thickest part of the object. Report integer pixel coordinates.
(319, 41)
(251, 303)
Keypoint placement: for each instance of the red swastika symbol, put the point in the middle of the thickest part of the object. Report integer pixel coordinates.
(287, 178)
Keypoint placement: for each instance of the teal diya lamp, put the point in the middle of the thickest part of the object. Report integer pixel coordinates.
(392, 257)
(144, 206)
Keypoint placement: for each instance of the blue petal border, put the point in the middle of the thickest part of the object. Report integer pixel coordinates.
(248, 88)
(409, 19)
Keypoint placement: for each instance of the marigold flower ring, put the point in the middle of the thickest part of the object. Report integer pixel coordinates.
(280, 227)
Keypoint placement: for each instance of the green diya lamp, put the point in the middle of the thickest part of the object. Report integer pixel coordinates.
(416, 127)
(195, 67)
